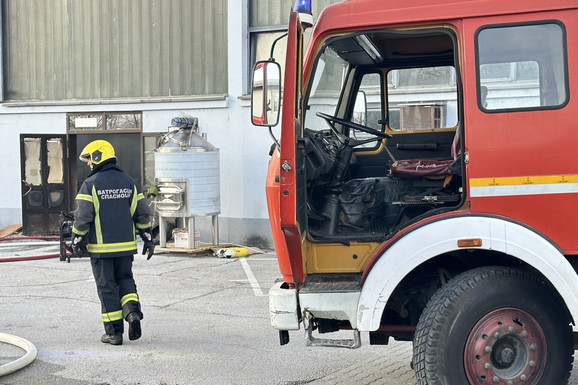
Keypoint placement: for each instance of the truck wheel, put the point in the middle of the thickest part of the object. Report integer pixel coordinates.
(494, 325)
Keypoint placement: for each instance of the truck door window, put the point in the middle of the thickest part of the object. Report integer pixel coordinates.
(521, 67)
(368, 109)
(422, 98)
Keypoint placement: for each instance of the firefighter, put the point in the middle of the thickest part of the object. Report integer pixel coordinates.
(109, 206)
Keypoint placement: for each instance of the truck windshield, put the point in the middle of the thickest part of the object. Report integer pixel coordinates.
(328, 80)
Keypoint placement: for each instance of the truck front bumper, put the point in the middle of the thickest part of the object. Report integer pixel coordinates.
(283, 307)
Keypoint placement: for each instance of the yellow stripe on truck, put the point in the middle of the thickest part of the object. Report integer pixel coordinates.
(524, 185)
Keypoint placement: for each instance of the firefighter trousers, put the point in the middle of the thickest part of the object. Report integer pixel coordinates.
(116, 290)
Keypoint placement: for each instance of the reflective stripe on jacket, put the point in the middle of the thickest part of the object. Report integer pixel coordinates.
(109, 207)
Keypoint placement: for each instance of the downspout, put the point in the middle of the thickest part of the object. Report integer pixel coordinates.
(1, 51)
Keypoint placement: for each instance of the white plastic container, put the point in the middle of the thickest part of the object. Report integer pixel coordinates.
(181, 238)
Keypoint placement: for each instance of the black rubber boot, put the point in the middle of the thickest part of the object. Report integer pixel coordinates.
(115, 339)
(134, 329)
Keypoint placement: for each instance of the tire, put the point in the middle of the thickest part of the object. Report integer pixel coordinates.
(494, 325)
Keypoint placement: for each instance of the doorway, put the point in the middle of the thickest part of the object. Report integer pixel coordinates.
(127, 148)
(44, 182)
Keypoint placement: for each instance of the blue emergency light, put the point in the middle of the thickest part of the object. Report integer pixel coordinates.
(302, 6)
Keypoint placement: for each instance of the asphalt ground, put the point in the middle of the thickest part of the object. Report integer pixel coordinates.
(206, 322)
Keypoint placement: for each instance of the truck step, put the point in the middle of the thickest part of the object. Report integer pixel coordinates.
(353, 343)
(327, 283)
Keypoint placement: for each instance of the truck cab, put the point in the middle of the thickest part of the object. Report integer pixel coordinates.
(424, 184)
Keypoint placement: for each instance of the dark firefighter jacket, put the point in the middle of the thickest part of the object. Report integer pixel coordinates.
(109, 207)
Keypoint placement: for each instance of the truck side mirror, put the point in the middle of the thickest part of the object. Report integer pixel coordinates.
(266, 93)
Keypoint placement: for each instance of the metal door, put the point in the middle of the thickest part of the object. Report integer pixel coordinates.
(44, 182)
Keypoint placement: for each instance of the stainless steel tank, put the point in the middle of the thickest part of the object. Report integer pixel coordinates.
(188, 176)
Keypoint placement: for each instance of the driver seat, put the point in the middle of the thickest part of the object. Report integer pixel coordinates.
(418, 168)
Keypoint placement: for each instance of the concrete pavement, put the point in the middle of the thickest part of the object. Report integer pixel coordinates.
(206, 322)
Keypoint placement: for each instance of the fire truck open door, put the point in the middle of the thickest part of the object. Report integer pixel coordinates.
(292, 178)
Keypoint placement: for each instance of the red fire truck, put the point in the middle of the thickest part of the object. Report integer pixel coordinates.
(425, 183)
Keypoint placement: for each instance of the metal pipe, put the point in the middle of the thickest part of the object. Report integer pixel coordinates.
(215, 229)
(191, 240)
(162, 232)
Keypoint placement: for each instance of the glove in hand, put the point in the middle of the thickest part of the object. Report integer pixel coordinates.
(79, 246)
(149, 246)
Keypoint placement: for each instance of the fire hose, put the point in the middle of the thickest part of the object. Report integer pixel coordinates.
(28, 258)
(22, 361)
(10, 339)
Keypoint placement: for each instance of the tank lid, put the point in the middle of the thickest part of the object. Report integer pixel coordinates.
(184, 137)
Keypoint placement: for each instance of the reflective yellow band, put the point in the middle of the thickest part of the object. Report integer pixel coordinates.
(129, 297)
(96, 203)
(84, 197)
(111, 247)
(134, 201)
(143, 226)
(113, 316)
(78, 232)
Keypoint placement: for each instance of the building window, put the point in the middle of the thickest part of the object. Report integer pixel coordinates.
(77, 50)
(268, 20)
(99, 121)
(267, 13)
(261, 43)
(522, 66)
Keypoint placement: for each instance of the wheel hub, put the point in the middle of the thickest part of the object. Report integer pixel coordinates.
(506, 346)
(505, 356)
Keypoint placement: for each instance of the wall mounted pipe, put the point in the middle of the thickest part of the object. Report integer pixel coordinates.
(26, 359)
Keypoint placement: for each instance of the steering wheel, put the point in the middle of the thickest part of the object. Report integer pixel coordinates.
(368, 130)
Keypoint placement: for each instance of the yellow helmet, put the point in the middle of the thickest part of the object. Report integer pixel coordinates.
(97, 152)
